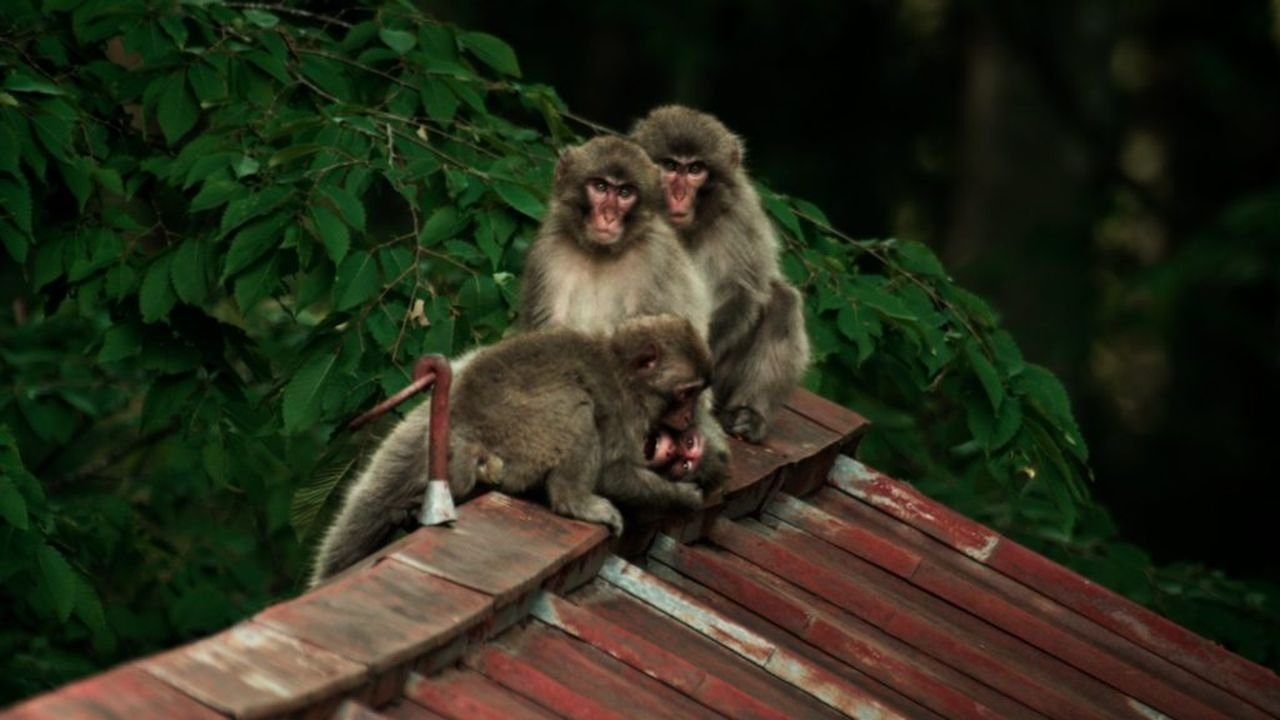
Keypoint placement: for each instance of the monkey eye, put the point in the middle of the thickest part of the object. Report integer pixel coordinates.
(697, 168)
(599, 185)
(626, 191)
(670, 165)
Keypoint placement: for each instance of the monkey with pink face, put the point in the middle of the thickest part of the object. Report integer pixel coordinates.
(605, 253)
(757, 335)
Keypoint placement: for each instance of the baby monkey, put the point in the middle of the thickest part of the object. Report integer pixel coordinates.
(573, 412)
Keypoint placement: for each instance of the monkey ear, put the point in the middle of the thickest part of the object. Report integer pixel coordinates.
(736, 151)
(646, 357)
(563, 165)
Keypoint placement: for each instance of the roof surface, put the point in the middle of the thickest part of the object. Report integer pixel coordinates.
(817, 588)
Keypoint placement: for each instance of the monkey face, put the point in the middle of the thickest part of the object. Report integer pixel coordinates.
(609, 200)
(682, 177)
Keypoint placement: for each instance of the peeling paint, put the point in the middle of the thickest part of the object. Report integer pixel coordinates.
(789, 667)
(835, 695)
(982, 552)
(646, 587)
(1147, 711)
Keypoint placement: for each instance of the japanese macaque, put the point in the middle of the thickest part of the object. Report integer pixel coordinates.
(758, 338)
(571, 411)
(605, 253)
(558, 409)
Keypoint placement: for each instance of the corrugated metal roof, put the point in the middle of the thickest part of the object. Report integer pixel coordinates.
(817, 588)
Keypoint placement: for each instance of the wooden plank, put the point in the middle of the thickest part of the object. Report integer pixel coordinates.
(125, 692)
(252, 671)
(862, 646)
(525, 678)
(973, 577)
(466, 695)
(782, 638)
(382, 617)
(599, 677)
(665, 666)
(815, 680)
(630, 618)
(501, 546)
(1211, 662)
(837, 418)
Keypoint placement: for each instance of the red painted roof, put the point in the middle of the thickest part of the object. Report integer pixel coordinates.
(817, 588)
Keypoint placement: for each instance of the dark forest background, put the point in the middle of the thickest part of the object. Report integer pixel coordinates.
(1107, 174)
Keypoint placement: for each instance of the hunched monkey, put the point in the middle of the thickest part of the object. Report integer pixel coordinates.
(557, 408)
(571, 411)
(758, 338)
(605, 253)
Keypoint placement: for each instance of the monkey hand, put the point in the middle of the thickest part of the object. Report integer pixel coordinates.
(744, 422)
(687, 496)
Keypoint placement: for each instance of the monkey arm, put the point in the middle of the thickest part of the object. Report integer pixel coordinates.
(636, 486)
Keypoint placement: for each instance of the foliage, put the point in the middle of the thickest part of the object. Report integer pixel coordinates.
(230, 229)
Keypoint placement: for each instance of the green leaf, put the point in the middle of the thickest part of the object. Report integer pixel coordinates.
(347, 205)
(492, 51)
(15, 200)
(120, 342)
(59, 580)
(442, 224)
(244, 166)
(20, 81)
(918, 258)
(398, 40)
(15, 242)
(88, 606)
(261, 18)
(439, 100)
(302, 396)
(332, 232)
(257, 282)
(156, 297)
(250, 243)
(190, 272)
(986, 373)
(356, 281)
(327, 75)
(13, 507)
(520, 199)
(10, 151)
(1046, 394)
(167, 398)
(76, 173)
(247, 208)
(782, 213)
(177, 111)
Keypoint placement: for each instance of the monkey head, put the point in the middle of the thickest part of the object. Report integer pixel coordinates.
(668, 365)
(607, 190)
(700, 161)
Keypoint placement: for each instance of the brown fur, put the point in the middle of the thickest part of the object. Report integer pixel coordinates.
(572, 282)
(758, 337)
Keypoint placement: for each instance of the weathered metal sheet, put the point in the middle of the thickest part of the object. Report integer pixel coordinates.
(252, 671)
(813, 679)
(127, 693)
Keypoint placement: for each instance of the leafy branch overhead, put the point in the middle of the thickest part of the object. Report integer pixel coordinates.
(229, 229)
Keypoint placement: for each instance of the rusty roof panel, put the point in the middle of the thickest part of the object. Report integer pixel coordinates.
(464, 694)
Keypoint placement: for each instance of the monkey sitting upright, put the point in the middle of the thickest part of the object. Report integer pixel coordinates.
(558, 408)
(605, 253)
(571, 411)
(757, 337)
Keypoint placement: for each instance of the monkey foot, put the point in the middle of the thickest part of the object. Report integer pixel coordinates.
(744, 422)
